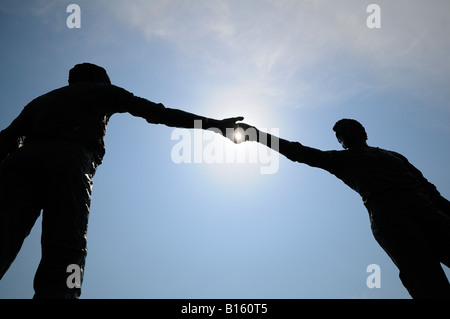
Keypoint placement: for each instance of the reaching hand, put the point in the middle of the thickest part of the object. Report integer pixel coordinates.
(237, 132)
(244, 126)
(228, 125)
(229, 122)
(242, 132)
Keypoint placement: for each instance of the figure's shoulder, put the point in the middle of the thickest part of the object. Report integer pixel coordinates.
(383, 150)
(49, 95)
(338, 153)
(117, 91)
(389, 153)
(376, 150)
(55, 91)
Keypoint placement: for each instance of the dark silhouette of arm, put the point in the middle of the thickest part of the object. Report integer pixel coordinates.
(80, 112)
(179, 118)
(294, 151)
(12, 136)
(157, 113)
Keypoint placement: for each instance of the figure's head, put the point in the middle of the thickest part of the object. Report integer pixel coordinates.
(350, 133)
(87, 72)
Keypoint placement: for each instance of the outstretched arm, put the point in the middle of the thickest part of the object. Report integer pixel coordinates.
(180, 118)
(157, 113)
(292, 150)
(284, 147)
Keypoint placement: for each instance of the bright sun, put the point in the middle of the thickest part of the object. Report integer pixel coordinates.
(238, 136)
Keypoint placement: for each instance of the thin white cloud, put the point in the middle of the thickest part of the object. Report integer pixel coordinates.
(297, 49)
(274, 41)
(37, 8)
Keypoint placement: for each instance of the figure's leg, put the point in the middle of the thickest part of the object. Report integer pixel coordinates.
(440, 234)
(420, 270)
(18, 209)
(64, 231)
(425, 280)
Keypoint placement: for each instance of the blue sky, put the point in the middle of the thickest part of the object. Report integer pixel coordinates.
(159, 229)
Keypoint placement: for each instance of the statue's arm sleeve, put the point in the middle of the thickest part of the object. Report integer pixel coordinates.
(297, 152)
(12, 137)
(157, 113)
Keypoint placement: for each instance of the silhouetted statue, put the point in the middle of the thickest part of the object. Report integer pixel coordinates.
(48, 157)
(409, 218)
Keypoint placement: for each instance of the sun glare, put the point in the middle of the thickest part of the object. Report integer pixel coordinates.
(238, 159)
(238, 137)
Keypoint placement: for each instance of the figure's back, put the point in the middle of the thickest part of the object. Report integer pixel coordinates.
(78, 113)
(375, 170)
